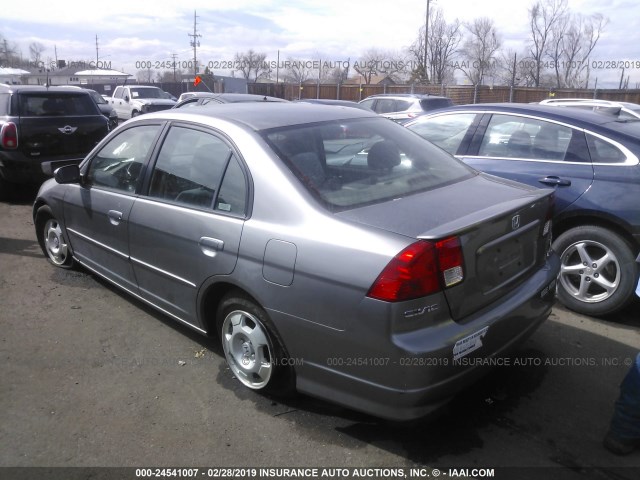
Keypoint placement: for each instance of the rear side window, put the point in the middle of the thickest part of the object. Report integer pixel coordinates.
(55, 105)
(604, 152)
(357, 162)
(510, 136)
(4, 104)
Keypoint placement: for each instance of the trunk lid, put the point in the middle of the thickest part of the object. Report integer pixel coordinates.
(499, 224)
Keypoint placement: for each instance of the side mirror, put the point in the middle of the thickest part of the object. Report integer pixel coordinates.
(67, 174)
(126, 98)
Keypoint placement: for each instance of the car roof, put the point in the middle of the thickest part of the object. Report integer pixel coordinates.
(587, 119)
(406, 95)
(40, 88)
(266, 115)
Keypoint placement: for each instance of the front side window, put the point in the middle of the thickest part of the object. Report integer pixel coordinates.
(510, 136)
(357, 162)
(118, 165)
(446, 131)
(189, 169)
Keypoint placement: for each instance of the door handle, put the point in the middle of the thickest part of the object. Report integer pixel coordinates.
(115, 217)
(555, 181)
(210, 246)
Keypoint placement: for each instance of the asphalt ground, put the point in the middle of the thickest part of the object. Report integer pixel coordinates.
(90, 377)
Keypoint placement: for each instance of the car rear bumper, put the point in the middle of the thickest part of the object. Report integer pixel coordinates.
(416, 373)
(16, 168)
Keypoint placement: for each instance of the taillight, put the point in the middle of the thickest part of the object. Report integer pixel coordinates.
(450, 260)
(9, 136)
(420, 269)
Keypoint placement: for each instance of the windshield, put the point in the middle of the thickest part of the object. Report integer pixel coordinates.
(147, 93)
(357, 162)
(97, 97)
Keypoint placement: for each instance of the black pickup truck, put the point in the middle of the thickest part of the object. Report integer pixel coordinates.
(43, 128)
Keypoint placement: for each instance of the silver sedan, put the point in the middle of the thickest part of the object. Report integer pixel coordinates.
(331, 251)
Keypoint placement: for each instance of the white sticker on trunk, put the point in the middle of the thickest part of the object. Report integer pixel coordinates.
(468, 344)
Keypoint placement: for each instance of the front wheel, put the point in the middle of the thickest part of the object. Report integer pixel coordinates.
(52, 239)
(252, 348)
(598, 270)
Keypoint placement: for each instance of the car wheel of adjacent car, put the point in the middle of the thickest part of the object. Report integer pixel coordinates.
(52, 239)
(253, 350)
(135, 113)
(598, 270)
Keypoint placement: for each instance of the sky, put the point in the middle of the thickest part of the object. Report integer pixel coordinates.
(130, 33)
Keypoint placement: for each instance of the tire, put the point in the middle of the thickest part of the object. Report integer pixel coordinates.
(598, 270)
(135, 113)
(52, 239)
(253, 350)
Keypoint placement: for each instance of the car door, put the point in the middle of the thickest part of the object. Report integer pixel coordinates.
(534, 151)
(97, 211)
(187, 227)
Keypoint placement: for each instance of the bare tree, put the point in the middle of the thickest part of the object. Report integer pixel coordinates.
(252, 65)
(35, 51)
(144, 76)
(574, 39)
(480, 50)
(511, 71)
(544, 15)
(376, 62)
(297, 71)
(442, 45)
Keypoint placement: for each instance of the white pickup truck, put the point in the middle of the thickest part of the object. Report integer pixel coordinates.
(129, 101)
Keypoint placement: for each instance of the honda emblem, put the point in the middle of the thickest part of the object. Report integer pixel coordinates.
(515, 222)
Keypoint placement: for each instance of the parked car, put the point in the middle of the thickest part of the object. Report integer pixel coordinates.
(404, 107)
(102, 103)
(132, 100)
(623, 110)
(335, 103)
(207, 98)
(106, 109)
(42, 129)
(376, 272)
(591, 160)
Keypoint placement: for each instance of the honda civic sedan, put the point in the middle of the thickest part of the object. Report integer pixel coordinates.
(329, 250)
(590, 159)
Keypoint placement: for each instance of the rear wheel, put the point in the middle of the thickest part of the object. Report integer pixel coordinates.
(52, 239)
(598, 270)
(251, 346)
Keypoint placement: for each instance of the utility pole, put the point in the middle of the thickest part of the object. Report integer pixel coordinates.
(195, 43)
(173, 56)
(426, 41)
(97, 57)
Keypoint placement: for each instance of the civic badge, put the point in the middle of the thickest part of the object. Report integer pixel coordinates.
(67, 130)
(515, 222)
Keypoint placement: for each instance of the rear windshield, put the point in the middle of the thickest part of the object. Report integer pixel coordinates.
(434, 103)
(52, 104)
(352, 163)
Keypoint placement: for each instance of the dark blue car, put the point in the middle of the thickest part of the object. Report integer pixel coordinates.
(590, 159)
